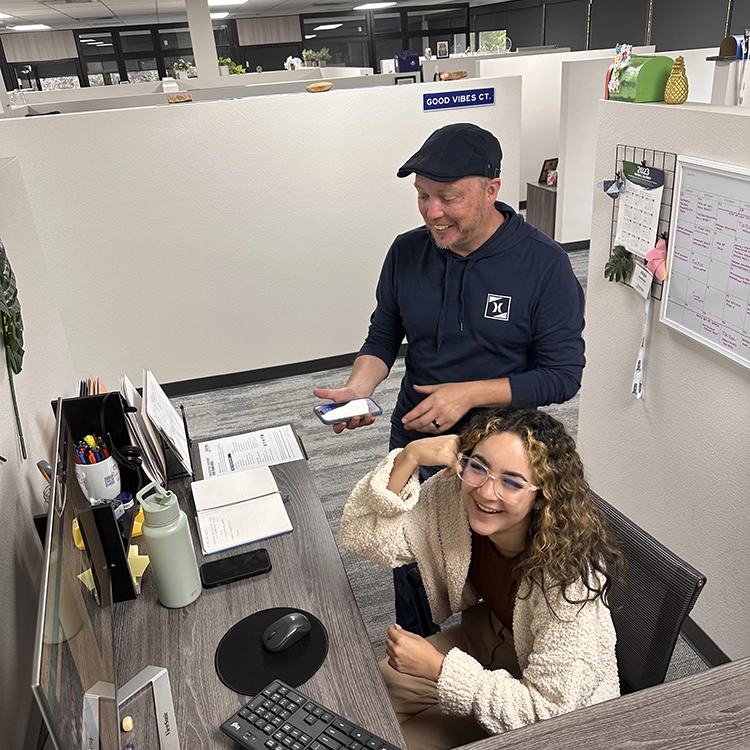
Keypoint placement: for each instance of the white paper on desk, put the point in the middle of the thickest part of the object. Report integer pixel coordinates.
(242, 523)
(166, 418)
(228, 489)
(275, 445)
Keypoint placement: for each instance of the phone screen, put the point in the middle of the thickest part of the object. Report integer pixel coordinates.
(235, 568)
(343, 411)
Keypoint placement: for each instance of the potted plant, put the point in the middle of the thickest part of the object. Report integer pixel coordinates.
(323, 56)
(181, 68)
(308, 56)
(232, 67)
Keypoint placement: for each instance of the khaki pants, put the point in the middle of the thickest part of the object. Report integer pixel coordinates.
(415, 699)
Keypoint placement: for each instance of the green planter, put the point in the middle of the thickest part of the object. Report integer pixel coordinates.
(643, 79)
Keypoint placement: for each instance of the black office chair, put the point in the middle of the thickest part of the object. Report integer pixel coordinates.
(648, 609)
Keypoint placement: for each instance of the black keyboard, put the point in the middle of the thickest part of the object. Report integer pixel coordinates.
(282, 718)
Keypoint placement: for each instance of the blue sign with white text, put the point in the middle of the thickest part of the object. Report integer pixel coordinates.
(454, 99)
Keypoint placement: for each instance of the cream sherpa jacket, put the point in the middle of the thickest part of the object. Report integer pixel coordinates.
(567, 662)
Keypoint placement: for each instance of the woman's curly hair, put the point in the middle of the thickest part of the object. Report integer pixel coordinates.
(569, 538)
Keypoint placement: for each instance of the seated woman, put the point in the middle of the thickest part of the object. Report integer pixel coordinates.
(508, 536)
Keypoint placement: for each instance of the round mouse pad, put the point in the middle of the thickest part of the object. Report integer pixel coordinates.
(246, 667)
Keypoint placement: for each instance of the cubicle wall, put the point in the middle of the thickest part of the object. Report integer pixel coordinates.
(582, 88)
(225, 236)
(540, 114)
(676, 460)
(47, 373)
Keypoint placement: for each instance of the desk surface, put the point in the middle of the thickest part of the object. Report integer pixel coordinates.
(307, 574)
(706, 710)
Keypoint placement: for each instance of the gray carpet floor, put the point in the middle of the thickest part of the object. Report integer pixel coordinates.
(337, 462)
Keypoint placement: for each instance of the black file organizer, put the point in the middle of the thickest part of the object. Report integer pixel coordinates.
(107, 539)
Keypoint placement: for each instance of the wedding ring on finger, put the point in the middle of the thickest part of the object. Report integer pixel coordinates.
(435, 423)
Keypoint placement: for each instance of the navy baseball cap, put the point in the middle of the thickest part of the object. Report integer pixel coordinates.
(456, 151)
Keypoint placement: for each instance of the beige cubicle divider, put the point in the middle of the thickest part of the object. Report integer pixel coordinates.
(675, 461)
(540, 108)
(47, 373)
(220, 237)
(582, 86)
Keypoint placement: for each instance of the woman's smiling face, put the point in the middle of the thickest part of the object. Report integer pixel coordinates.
(506, 522)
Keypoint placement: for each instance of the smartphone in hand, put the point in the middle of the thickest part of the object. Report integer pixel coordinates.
(343, 411)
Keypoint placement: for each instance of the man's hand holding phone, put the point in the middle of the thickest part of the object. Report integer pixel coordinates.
(344, 400)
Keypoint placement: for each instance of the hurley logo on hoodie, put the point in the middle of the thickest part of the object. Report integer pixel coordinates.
(498, 307)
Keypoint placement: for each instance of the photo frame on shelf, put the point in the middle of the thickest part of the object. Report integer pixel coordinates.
(548, 166)
(405, 79)
(442, 49)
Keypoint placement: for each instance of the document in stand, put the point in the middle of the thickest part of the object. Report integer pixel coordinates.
(158, 408)
(144, 433)
(275, 445)
(238, 508)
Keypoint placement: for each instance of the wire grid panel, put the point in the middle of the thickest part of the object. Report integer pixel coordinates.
(664, 160)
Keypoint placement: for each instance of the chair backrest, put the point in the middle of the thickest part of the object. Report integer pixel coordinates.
(648, 610)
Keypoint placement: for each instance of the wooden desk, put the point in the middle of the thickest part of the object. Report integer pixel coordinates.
(706, 710)
(308, 574)
(541, 207)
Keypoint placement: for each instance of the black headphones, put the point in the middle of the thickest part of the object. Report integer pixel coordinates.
(127, 455)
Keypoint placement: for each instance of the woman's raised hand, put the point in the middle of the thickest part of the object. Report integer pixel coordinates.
(433, 451)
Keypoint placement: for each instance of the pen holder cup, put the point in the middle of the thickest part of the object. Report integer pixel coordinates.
(100, 481)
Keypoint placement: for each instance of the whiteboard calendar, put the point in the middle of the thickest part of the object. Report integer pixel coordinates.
(707, 290)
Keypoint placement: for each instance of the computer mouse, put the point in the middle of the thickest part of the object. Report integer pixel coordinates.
(286, 631)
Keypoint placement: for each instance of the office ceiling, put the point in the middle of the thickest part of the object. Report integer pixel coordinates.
(77, 14)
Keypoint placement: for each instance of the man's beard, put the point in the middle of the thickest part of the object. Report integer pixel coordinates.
(464, 235)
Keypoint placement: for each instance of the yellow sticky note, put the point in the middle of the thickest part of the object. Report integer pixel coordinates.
(87, 579)
(138, 523)
(77, 536)
(138, 563)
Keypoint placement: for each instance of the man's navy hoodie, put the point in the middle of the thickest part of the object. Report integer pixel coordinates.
(512, 308)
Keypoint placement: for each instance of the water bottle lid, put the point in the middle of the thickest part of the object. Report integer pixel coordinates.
(159, 508)
(160, 514)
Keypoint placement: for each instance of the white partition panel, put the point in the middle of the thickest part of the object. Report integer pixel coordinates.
(675, 461)
(540, 109)
(582, 88)
(218, 237)
(47, 373)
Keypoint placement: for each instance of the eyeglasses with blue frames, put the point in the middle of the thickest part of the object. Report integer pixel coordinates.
(508, 487)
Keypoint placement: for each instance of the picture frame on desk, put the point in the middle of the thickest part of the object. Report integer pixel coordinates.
(442, 49)
(548, 166)
(405, 80)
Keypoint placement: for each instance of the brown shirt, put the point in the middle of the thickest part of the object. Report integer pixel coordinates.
(491, 575)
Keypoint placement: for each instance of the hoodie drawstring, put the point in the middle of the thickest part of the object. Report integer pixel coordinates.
(465, 268)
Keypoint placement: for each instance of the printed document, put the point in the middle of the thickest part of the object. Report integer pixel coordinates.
(275, 445)
(166, 419)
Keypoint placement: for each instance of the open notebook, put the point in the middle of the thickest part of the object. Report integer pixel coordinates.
(238, 508)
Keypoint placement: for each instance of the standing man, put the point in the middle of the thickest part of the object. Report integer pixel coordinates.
(490, 307)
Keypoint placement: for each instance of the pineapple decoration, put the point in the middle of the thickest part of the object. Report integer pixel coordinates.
(676, 91)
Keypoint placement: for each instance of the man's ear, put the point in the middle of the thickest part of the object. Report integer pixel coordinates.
(494, 188)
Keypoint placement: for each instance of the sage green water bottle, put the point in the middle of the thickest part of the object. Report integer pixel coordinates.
(170, 547)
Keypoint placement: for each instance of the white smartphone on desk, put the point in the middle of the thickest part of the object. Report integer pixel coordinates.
(343, 411)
